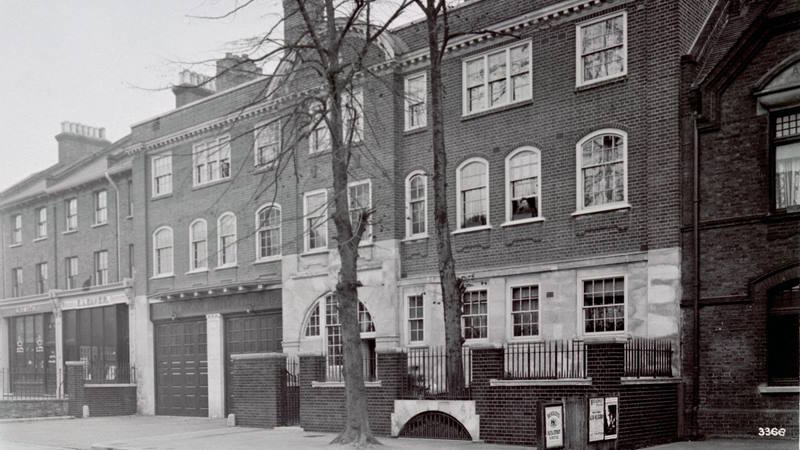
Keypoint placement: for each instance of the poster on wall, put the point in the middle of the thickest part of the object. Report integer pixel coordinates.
(596, 419)
(554, 426)
(611, 417)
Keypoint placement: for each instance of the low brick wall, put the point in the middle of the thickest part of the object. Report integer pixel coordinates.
(12, 409)
(102, 399)
(258, 396)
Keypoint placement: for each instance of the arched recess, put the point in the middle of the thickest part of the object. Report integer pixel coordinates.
(461, 411)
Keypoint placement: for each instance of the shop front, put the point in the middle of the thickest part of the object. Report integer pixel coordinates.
(32, 355)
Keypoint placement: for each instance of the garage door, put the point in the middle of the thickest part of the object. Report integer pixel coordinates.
(181, 368)
(253, 333)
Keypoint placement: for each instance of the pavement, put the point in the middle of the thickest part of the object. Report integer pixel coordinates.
(192, 433)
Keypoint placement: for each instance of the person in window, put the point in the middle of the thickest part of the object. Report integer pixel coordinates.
(525, 209)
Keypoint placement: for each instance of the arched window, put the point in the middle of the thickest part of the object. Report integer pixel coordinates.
(226, 247)
(523, 185)
(268, 232)
(472, 185)
(783, 334)
(416, 204)
(162, 251)
(198, 245)
(602, 170)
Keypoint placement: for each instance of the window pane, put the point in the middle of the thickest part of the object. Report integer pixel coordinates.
(787, 175)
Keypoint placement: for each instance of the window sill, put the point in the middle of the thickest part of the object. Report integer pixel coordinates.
(19, 244)
(40, 239)
(471, 229)
(316, 251)
(475, 342)
(560, 382)
(266, 167)
(609, 337)
(162, 276)
(585, 86)
(96, 225)
(767, 390)
(160, 196)
(419, 237)
(129, 217)
(316, 154)
(69, 231)
(210, 183)
(524, 339)
(340, 384)
(512, 223)
(614, 207)
(267, 260)
(226, 266)
(415, 130)
(485, 112)
(420, 344)
(650, 380)
(197, 271)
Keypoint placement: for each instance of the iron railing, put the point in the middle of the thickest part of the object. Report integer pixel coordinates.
(648, 358)
(427, 375)
(26, 384)
(547, 360)
(292, 371)
(334, 367)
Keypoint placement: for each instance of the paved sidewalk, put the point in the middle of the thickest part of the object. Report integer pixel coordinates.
(730, 444)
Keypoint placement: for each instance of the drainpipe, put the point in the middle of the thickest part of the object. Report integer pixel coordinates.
(116, 219)
(696, 269)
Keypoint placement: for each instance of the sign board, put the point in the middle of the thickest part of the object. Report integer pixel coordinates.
(554, 426)
(21, 310)
(94, 301)
(603, 413)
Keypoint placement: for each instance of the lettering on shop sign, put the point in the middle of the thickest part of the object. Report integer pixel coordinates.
(89, 302)
(554, 426)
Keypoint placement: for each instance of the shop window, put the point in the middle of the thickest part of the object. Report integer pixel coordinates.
(99, 337)
(783, 334)
(32, 359)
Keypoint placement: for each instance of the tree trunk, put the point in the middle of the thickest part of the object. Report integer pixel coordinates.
(450, 284)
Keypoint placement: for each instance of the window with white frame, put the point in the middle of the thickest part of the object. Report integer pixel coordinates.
(472, 183)
(100, 207)
(525, 311)
(212, 160)
(601, 49)
(359, 200)
(41, 278)
(319, 136)
(416, 204)
(416, 318)
(497, 78)
(226, 230)
(162, 175)
(71, 214)
(198, 245)
(602, 170)
(16, 229)
(268, 232)
(603, 305)
(474, 315)
(267, 142)
(16, 282)
(416, 91)
(331, 329)
(71, 272)
(787, 160)
(312, 323)
(41, 222)
(353, 115)
(315, 208)
(162, 251)
(523, 184)
(101, 266)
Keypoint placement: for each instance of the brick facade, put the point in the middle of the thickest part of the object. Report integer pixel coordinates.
(258, 382)
(102, 400)
(13, 409)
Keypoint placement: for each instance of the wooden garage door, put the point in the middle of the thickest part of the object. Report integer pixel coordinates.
(253, 333)
(181, 368)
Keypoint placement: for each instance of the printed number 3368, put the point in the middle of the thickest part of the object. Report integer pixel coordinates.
(771, 431)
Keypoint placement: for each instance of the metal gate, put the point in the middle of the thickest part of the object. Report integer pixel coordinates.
(435, 425)
(181, 368)
(292, 390)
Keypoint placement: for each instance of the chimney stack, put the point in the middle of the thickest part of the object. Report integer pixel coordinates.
(294, 26)
(191, 87)
(233, 70)
(77, 141)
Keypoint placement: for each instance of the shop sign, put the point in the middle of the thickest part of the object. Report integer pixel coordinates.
(603, 413)
(39, 344)
(93, 301)
(20, 347)
(26, 309)
(554, 426)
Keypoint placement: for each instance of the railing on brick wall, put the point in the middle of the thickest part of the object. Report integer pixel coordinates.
(334, 367)
(548, 360)
(292, 371)
(22, 384)
(427, 375)
(100, 372)
(648, 358)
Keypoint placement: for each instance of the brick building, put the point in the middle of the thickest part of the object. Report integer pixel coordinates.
(67, 267)
(740, 220)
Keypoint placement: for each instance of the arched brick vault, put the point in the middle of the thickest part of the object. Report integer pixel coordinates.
(463, 411)
(758, 287)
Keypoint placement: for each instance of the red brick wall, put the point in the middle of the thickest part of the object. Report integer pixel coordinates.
(258, 384)
(111, 400)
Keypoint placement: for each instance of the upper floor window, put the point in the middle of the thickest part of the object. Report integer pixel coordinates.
(226, 230)
(523, 185)
(787, 161)
(601, 49)
(100, 207)
(16, 229)
(416, 204)
(71, 214)
(472, 185)
(212, 160)
(267, 142)
(268, 233)
(602, 170)
(41, 278)
(416, 90)
(359, 199)
(353, 115)
(162, 175)
(603, 305)
(41, 222)
(16, 282)
(162, 251)
(315, 212)
(71, 272)
(474, 316)
(498, 78)
(319, 137)
(101, 267)
(198, 245)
